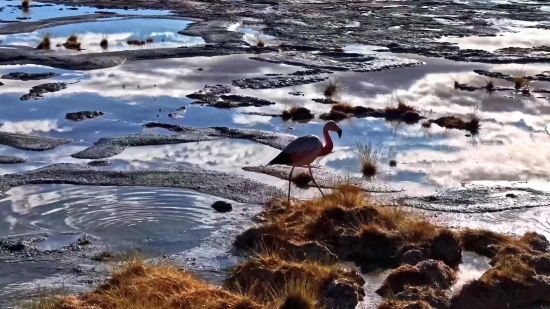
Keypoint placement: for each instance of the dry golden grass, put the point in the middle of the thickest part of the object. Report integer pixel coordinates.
(520, 82)
(46, 43)
(297, 113)
(370, 157)
(138, 285)
(297, 295)
(343, 107)
(302, 179)
(330, 89)
(401, 108)
(72, 43)
(25, 4)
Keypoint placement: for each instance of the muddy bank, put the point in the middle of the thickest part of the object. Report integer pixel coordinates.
(276, 82)
(324, 177)
(230, 186)
(30, 142)
(480, 198)
(29, 76)
(218, 96)
(107, 147)
(94, 61)
(11, 160)
(37, 92)
(339, 61)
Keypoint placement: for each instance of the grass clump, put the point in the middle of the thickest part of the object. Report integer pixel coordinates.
(72, 43)
(330, 89)
(149, 40)
(259, 42)
(343, 107)
(25, 4)
(520, 82)
(297, 113)
(490, 85)
(302, 179)
(401, 108)
(45, 43)
(104, 43)
(370, 157)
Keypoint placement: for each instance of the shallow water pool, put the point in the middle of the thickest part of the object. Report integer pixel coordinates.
(161, 32)
(11, 11)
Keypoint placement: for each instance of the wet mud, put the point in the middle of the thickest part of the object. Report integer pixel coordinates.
(226, 185)
(107, 147)
(481, 198)
(30, 142)
(324, 177)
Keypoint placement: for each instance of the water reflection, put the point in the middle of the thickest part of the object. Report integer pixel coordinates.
(161, 32)
(138, 92)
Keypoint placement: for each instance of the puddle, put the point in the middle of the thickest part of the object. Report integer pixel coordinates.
(40, 10)
(525, 38)
(162, 32)
(160, 220)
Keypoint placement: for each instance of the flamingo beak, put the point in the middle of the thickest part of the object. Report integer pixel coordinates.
(339, 133)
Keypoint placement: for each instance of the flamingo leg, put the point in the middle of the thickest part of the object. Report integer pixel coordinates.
(289, 183)
(315, 182)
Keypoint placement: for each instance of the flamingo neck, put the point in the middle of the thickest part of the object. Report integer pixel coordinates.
(328, 144)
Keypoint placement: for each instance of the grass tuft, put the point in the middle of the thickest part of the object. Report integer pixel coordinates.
(520, 82)
(343, 107)
(369, 156)
(25, 4)
(393, 163)
(149, 40)
(297, 113)
(401, 108)
(331, 88)
(490, 85)
(259, 42)
(72, 43)
(46, 43)
(302, 179)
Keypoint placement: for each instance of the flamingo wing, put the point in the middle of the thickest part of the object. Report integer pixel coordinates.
(303, 147)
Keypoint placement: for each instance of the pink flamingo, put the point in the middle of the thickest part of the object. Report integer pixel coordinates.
(304, 150)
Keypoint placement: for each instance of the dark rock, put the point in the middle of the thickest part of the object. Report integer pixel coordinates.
(29, 76)
(511, 195)
(174, 116)
(426, 273)
(412, 257)
(36, 92)
(341, 293)
(210, 93)
(231, 101)
(325, 101)
(79, 116)
(315, 71)
(297, 93)
(17, 247)
(221, 206)
(396, 304)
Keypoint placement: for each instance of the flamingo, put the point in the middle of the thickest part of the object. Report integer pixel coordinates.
(302, 151)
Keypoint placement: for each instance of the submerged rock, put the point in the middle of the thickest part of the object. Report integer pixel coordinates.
(36, 92)
(79, 116)
(29, 76)
(221, 206)
(11, 160)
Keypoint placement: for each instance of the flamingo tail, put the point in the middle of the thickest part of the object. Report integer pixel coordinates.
(283, 158)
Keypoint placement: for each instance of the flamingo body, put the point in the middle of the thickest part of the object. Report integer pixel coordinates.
(300, 152)
(304, 150)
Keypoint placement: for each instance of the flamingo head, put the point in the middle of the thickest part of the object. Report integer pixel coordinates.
(332, 126)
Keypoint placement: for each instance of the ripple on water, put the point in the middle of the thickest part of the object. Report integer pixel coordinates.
(158, 220)
(118, 32)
